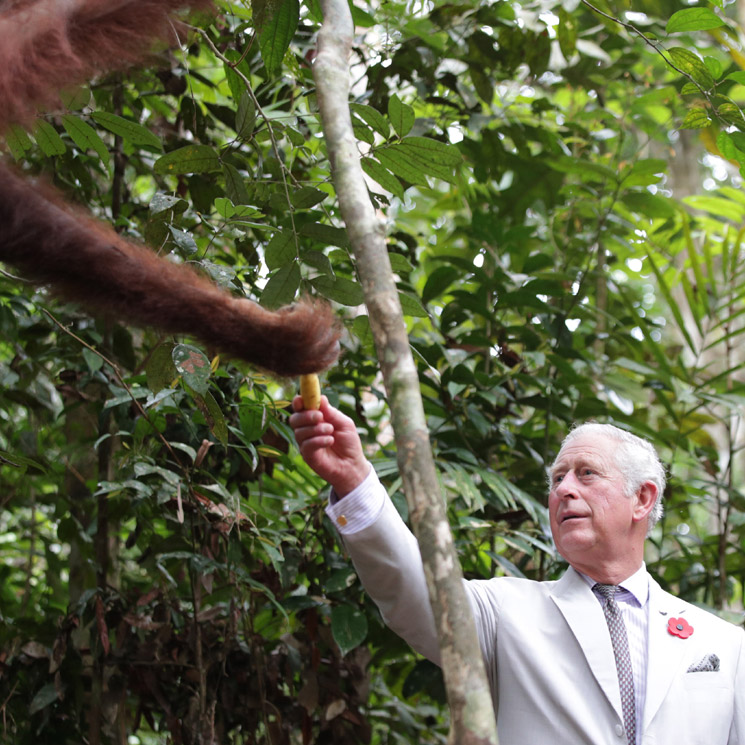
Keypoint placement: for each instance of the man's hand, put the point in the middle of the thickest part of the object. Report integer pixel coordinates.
(330, 445)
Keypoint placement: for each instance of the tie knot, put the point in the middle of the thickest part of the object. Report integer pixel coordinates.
(607, 591)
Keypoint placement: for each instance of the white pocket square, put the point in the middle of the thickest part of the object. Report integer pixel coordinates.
(707, 664)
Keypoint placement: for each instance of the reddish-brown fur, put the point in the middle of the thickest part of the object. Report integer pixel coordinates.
(47, 45)
(81, 259)
(87, 262)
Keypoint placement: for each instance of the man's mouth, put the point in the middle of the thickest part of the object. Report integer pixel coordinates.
(565, 518)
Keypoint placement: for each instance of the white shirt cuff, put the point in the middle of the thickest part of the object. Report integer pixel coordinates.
(360, 508)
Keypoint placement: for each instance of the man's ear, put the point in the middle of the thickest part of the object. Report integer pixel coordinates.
(645, 498)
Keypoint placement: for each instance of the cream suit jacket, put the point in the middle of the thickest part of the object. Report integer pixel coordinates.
(549, 656)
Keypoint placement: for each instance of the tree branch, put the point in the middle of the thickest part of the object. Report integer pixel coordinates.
(472, 712)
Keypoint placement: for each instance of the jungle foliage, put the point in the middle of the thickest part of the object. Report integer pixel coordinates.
(167, 571)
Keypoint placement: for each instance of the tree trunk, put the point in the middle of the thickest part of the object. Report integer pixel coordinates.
(472, 713)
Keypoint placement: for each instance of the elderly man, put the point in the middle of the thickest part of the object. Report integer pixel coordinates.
(601, 656)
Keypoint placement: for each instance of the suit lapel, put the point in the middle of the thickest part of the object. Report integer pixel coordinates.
(665, 653)
(585, 618)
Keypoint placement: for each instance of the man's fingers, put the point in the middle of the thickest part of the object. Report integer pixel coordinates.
(314, 444)
(310, 430)
(334, 416)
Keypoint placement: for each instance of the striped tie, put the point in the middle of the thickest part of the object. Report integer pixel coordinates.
(620, 642)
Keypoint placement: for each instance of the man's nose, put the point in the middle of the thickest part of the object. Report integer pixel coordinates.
(567, 487)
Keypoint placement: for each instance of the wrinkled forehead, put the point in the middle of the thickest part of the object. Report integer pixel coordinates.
(598, 450)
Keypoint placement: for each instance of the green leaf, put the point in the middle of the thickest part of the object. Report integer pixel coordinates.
(281, 287)
(373, 117)
(696, 119)
(235, 184)
(737, 139)
(438, 281)
(127, 130)
(403, 167)
(44, 697)
(714, 66)
(307, 197)
(729, 147)
(412, 306)
(48, 139)
(253, 421)
(738, 77)
(279, 21)
(567, 33)
(693, 19)
(14, 460)
(645, 172)
(362, 131)
(160, 370)
(693, 65)
(399, 263)
(92, 359)
(318, 260)
(651, 205)
(401, 115)
(717, 206)
(415, 157)
(382, 176)
(673, 305)
(348, 627)
(193, 366)
(327, 234)
(218, 273)
(85, 137)
(184, 241)
(361, 329)
(731, 113)
(188, 159)
(340, 290)
(76, 99)
(215, 418)
(245, 117)
(280, 250)
(235, 81)
(18, 141)
(163, 202)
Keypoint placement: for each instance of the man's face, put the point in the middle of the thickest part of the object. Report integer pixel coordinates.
(591, 517)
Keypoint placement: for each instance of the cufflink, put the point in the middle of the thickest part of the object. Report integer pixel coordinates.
(341, 520)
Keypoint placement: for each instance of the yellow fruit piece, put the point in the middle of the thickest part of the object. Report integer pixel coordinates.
(310, 390)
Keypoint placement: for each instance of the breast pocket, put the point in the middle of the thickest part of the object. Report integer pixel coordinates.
(698, 707)
(703, 681)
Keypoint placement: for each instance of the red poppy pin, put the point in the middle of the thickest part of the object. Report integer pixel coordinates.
(679, 627)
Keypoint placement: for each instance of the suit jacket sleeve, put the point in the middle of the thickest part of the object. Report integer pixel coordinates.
(737, 731)
(387, 559)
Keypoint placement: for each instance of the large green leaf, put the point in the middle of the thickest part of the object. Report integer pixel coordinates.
(188, 159)
(693, 19)
(349, 627)
(401, 115)
(193, 366)
(690, 63)
(277, 24)
(282, 286)
(48, 139)
(383, 176)
(340, 290)
(84, 136)
(127, 129)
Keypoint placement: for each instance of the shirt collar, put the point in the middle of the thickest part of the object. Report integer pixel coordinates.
(637, 584)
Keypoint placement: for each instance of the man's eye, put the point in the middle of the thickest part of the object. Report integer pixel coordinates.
(587, 471)
(558, 479)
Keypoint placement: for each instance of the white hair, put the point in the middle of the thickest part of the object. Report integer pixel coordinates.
(635, 457)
